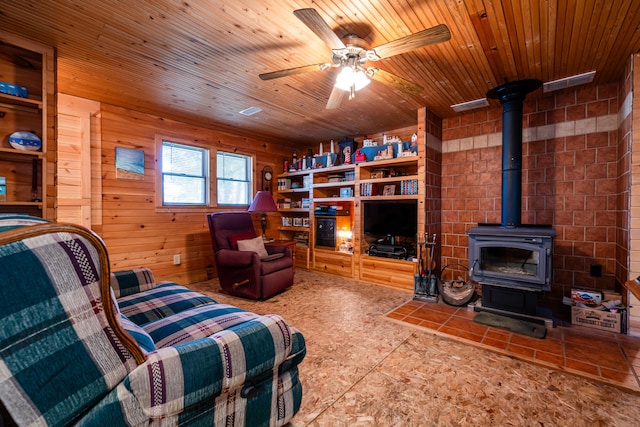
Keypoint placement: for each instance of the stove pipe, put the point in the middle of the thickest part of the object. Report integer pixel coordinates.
(511, 96)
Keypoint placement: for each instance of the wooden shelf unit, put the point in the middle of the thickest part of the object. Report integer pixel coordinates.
(29, 64)
(324, 186)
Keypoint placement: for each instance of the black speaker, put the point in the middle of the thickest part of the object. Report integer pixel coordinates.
(326, 232)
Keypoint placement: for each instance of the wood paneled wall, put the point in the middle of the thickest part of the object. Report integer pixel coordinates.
(136, 232)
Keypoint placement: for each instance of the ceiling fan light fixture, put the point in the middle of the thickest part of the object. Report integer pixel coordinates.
(351, 79)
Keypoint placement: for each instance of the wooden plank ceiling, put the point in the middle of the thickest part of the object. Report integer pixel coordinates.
(199, 61)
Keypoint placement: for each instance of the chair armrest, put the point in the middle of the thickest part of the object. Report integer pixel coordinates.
(174, 378)
(228, 258)
(286, 250)
(127, 282)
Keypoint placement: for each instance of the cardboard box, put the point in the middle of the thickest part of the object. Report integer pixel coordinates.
(599, 319)
(611, 296)
(590, 298)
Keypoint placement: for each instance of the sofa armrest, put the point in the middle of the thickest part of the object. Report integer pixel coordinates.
(174, 378)
(127, 282)
(228, 258)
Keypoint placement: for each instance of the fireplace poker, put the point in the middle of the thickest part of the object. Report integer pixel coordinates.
(431, 266)
(420, 288)
(419, 265)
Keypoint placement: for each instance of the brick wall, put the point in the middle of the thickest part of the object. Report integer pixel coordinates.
(634, 142)
(433, 176)
(572, 175)
(624, 173)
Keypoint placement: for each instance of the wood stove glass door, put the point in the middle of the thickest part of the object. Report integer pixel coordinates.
(510, 261)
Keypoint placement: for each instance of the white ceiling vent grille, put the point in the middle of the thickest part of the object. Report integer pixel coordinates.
(470, 105)
(578, 79)
(250, 111)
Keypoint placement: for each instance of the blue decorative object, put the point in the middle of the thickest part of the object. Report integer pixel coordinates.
(26, 141)
(13, 90)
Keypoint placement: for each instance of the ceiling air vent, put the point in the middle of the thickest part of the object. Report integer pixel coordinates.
(578, 79)
(250, 111)
(470, 105)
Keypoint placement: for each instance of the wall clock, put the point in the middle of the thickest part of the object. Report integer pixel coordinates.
(267, 178)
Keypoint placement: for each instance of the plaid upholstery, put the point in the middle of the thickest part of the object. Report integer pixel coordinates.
(223, 362)
(11, 221)
(61, 361)
(161, 301)
(199, 322)
(141, 336)
(127, 282)
(59, 355)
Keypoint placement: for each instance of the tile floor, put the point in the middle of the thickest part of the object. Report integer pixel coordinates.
(604, 356)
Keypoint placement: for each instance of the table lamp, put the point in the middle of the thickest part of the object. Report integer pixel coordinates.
(263, 202)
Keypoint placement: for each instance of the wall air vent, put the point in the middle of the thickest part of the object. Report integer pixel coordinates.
(470, 105)
(250, 111)
(578, 79)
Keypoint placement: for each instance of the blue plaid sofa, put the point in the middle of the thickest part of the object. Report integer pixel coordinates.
(80, 345)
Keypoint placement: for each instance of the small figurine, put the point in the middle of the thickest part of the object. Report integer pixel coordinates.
(347, 155)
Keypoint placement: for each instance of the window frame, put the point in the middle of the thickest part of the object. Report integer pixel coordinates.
(210, 188)
(212, 180)
(250, 177)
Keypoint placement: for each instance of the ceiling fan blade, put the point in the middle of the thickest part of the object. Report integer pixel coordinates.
(395, 82)
(335, 99)
(293, 71)
(438, 34)
(312, 19)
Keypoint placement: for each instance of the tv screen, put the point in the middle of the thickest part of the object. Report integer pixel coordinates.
(396, 218)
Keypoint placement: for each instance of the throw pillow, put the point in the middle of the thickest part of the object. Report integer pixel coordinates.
(233, 240)
(254, 245)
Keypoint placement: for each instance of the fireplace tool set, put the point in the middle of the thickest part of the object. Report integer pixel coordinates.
(425, 282)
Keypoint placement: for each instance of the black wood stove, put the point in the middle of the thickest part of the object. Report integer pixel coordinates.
(512, 261)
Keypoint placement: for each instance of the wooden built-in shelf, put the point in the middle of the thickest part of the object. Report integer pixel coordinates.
(35, 204)
(334, 184)
(394, 197)
(10, 101)
(333, 199)
(293, 210)
(294, 190)
(24, 155)
(389, 179)
(324, 187)
(295, 173)
(390, 162)
(285, 228)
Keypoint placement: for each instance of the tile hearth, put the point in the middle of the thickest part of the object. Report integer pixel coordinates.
(603, 356)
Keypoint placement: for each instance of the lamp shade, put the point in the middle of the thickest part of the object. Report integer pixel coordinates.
(263, 202)
(351, 78)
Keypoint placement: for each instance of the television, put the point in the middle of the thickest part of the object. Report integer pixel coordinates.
(398, 218)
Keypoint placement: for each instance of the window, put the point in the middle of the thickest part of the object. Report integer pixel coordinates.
(184, 174)
(234, 179)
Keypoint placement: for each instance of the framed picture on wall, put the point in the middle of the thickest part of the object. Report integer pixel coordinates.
(129, 163)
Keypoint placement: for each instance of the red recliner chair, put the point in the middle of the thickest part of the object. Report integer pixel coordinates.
(245, 273)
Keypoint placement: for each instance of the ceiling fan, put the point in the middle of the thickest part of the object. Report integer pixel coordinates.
(351, 54)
